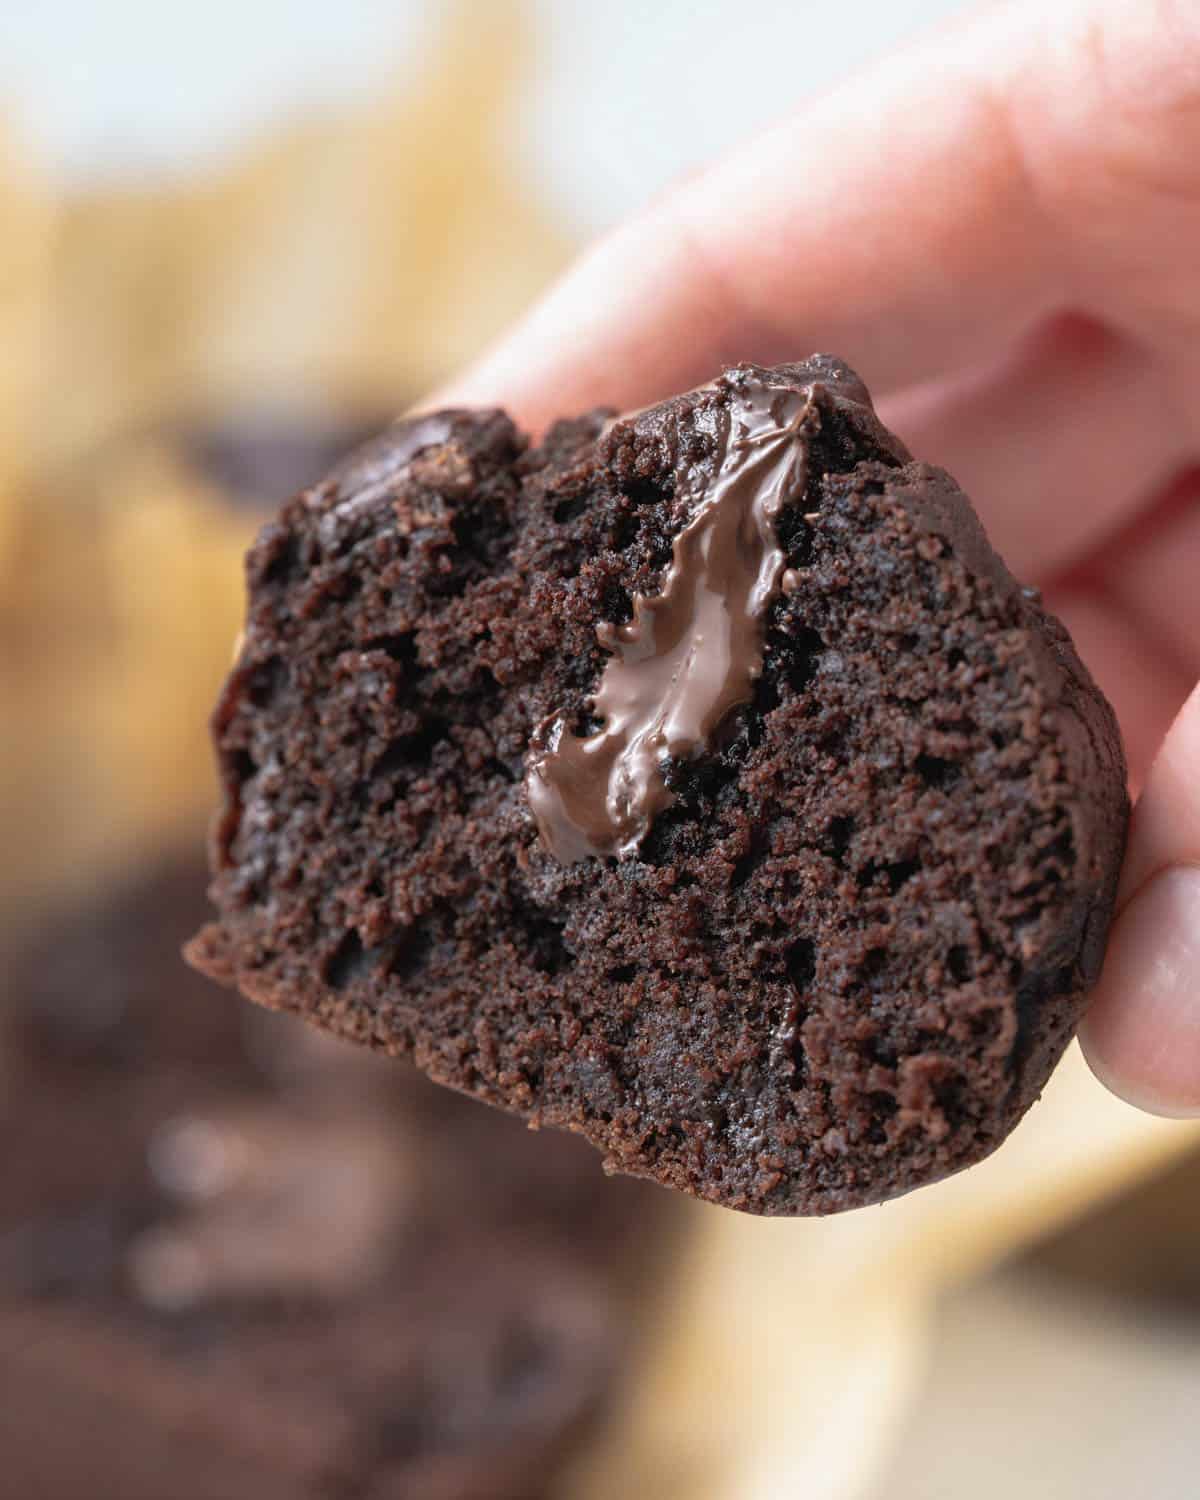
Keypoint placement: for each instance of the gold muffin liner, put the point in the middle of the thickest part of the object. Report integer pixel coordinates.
(25, 236)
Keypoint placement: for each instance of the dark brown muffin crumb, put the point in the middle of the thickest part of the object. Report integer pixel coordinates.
(840, 959)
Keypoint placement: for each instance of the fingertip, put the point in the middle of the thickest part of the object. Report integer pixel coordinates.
(1141, 1036)
(1131, 1086)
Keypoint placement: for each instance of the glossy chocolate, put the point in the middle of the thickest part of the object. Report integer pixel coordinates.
(692, 652)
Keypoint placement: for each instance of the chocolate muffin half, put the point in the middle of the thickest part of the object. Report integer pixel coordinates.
(700, 781)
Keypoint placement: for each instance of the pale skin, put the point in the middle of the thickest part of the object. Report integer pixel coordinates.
(1000, 228)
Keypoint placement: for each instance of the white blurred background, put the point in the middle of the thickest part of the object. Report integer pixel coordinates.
(622, 94)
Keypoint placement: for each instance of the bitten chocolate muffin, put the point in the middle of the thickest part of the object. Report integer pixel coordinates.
(239, 1259)
(700, 781)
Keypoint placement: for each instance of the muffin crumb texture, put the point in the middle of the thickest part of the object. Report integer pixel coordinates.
(842, 953)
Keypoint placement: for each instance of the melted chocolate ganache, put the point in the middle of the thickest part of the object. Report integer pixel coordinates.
(691, 653)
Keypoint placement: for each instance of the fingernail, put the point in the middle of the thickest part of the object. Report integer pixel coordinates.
(1142, 1032)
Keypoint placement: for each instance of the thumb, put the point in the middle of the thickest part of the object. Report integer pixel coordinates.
(1142, 1032)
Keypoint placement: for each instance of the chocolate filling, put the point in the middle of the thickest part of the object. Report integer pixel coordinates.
(691, 653)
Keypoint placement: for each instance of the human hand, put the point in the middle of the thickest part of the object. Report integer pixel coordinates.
(1000, 228)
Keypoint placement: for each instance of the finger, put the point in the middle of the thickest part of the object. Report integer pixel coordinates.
(881, 222)
(1144, 685)
(914, 219)
(1058, 444)
(1166, 825)
(1142, 1032)
(1155, 575)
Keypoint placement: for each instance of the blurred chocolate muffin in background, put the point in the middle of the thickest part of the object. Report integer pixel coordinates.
(259, 458)
(236, 1258)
